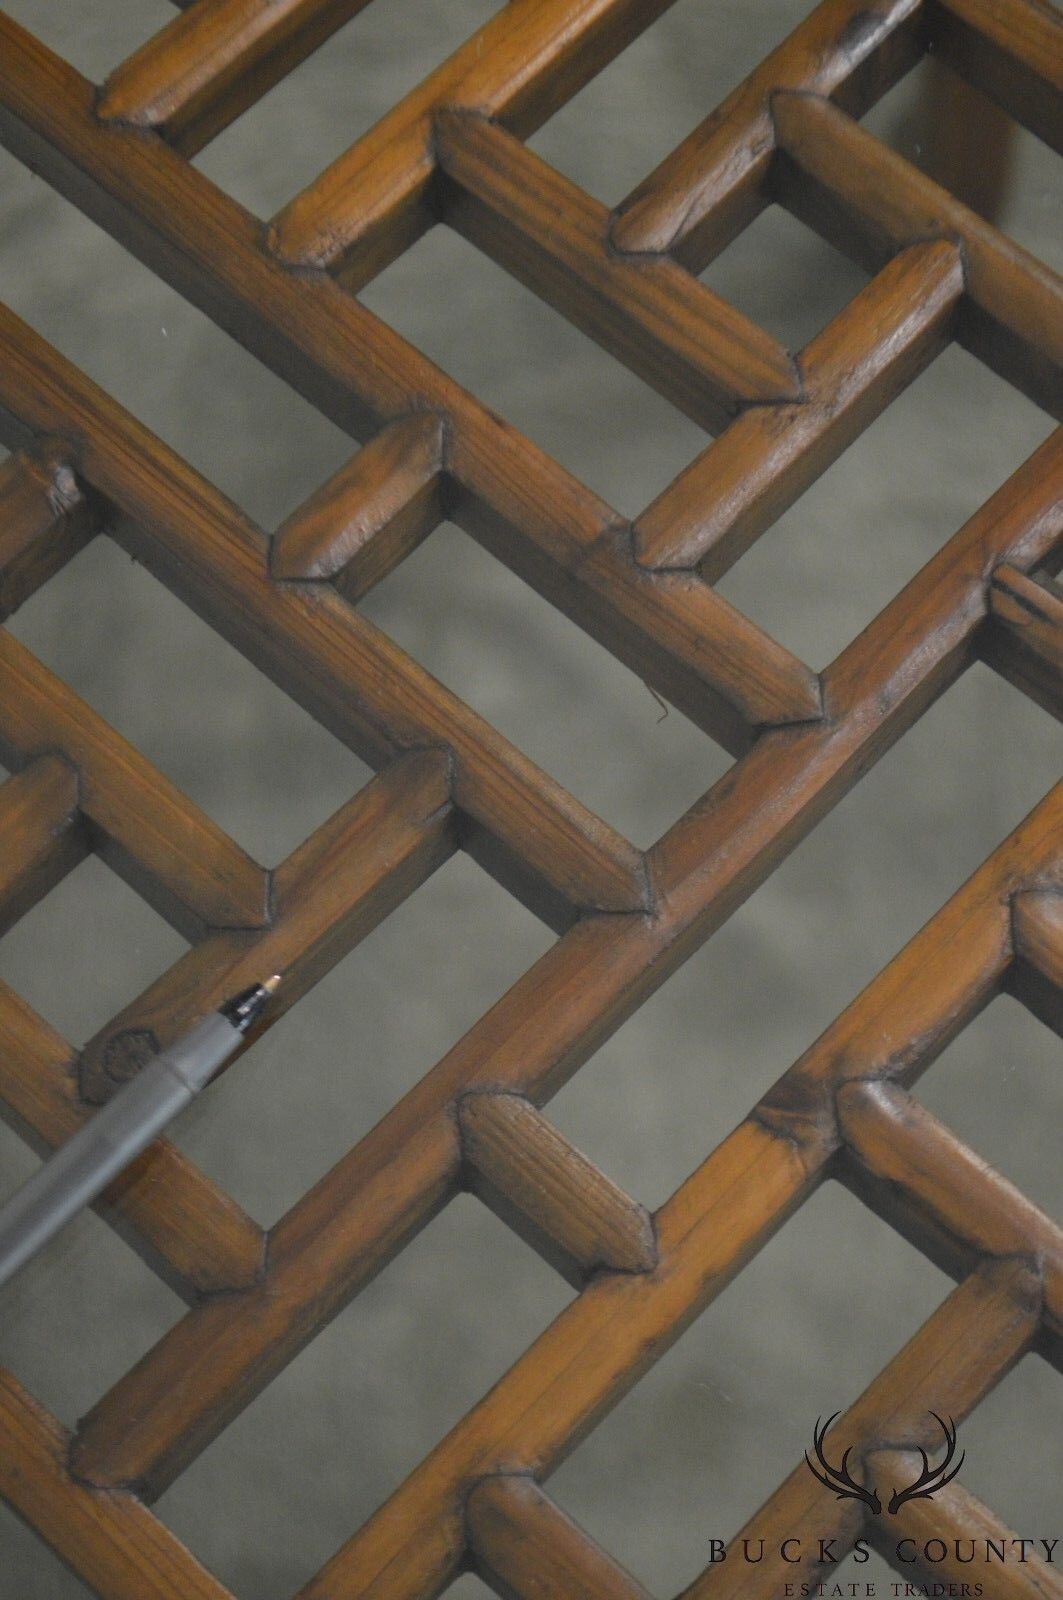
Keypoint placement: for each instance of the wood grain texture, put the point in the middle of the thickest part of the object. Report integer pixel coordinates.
(452, 151)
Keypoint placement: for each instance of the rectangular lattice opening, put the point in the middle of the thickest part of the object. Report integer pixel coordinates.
(80, 1313)
(703, 1049)
(888, 504)
(258, 764)
(342, 1426)
(785, 277)
(87, 949)
(562, 699)
(223, 411)
(527, 362)
(719, 1422)
(323, 1075)
(335, 96)
(998, 1086)
(957, 135)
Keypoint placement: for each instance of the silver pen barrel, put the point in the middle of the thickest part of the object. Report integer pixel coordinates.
(116, 1134)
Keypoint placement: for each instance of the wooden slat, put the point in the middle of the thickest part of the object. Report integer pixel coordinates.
(1037, 930)
(525, 1547)
(196, 75)
(870, 201)
(1026, 641)
(549, 1192)
(1013, 50)
(110, 1541)
(40, 834)
(692, 346)
(44, 520)
(722, 502)
(370, 515)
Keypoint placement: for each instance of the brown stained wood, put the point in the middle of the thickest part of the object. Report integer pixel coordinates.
(371, 514)
(110, 1541)
(1025, 642)
(528, 1549)
(41, 834)
(196, 75)
(927, 1183)
(516, 500)
(327, 896)
(524, 63)
(151, 833)
(449, 780)
(1012, 50)
(549, 1192)
(335, 662)
(44, 520)
(692, 347)
(187, 1229)
(859, 364)
(1037, 929)
(871, 202)
(715, 183)
(950, 1515)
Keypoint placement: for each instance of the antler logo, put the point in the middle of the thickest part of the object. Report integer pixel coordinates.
(838, 1478)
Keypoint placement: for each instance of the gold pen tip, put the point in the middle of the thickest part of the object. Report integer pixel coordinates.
(271, 985)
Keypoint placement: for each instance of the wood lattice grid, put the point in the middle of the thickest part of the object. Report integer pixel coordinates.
(452, 150)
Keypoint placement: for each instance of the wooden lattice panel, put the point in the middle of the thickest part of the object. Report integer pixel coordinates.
(452, 151)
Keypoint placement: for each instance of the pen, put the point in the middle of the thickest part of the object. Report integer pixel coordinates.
(117, 1133)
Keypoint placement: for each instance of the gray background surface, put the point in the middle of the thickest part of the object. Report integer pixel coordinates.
(701, 1441)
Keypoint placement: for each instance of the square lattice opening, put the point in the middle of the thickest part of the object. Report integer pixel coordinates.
(711, 1430)
(886, 506)
(560, 697)
(323, 1075)
(336, 95)
(166, 361)
(31, 1571)
(86, 950)
(526, 361)
(695, 1057)
(1012, 1442)
(221, 730)
(335, 1434)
